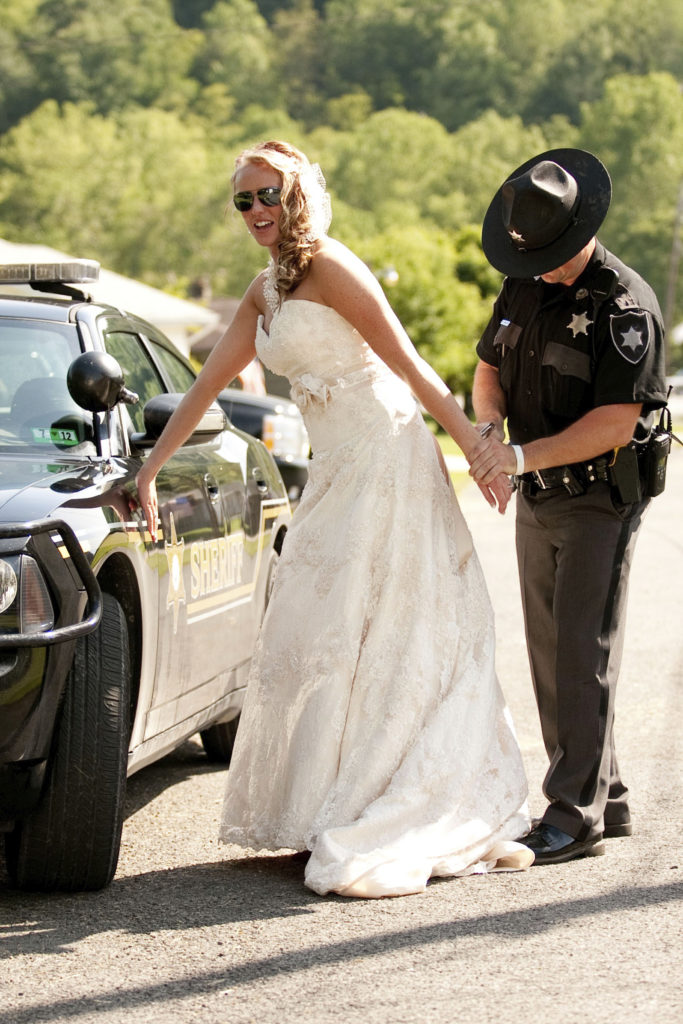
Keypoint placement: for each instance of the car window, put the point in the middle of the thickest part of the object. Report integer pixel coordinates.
(139, 372)
(180, 376)
(36, 410)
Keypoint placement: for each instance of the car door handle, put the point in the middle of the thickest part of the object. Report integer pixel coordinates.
(259, 480)
(212, 488)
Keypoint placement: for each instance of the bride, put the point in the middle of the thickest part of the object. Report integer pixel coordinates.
(374, 733)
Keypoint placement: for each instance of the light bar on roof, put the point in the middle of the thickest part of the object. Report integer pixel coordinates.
(68, 272)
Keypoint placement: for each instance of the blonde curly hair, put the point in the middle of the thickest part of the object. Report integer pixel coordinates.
(305, 213)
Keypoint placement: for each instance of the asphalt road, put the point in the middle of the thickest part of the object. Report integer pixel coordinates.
(191, 932)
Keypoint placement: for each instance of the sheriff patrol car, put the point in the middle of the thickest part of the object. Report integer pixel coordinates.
(114, 648)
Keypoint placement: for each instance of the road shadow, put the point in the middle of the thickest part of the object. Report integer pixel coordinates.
(175, 899)
(252, 889)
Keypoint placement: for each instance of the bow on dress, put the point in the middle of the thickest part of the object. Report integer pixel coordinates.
(309, 389)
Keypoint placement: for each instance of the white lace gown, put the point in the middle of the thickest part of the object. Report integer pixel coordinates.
(374, 732)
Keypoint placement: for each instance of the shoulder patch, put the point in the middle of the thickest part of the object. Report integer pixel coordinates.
(631, 334)
(624, 300)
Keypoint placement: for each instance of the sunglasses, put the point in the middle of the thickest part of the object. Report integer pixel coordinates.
(268, 196)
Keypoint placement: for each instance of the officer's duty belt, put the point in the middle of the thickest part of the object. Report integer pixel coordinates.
(574, 479)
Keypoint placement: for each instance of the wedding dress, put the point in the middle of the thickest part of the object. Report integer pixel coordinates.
(374, 732)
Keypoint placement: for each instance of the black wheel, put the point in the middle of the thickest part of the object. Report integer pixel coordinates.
(218, 740)
(71, 841)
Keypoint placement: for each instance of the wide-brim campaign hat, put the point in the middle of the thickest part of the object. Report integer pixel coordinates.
(545, 212)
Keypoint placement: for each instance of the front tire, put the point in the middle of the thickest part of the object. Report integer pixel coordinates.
(71, 841)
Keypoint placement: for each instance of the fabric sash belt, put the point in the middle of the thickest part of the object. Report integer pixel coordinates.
(308, 390)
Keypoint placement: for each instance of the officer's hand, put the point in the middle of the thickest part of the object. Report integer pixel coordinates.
(491, 428)
(490, 460)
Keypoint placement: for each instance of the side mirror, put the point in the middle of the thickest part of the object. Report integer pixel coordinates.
(158, 411)
(95, 382)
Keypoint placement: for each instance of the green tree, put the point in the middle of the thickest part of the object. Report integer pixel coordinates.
(484, 153)
(391, 165)
(40, 161)
(442, 315)
(237, 53)
(123, 122)
(598, 42)
(471, 266)
(347, 111)
(299, 60)
(383, 47)
(492, 55)
(189, 13)
(148, 189)
(114, 55)
(20, 85)
(637, 130)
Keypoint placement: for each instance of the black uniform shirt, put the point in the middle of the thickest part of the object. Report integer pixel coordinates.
(562, 351)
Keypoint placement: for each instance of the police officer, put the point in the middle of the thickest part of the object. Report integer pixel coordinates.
(573, 359)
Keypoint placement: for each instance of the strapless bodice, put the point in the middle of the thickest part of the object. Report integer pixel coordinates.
(309, 338)
(338, 382)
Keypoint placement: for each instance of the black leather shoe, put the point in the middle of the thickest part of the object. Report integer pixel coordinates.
(550, 845)
(617, 830)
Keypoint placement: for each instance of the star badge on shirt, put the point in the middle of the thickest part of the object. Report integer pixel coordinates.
(579, 323)
(631, 334)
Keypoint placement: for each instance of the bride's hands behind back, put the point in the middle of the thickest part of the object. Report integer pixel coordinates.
(497, 492)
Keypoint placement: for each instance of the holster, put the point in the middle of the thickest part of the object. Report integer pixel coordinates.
(625, 474)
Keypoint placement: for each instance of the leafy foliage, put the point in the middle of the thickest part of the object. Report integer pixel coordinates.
(119, 125)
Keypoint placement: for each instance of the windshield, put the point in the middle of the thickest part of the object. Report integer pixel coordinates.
(37, 413)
